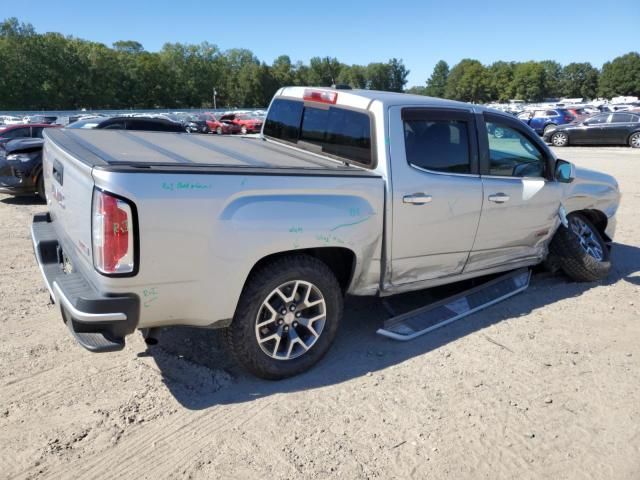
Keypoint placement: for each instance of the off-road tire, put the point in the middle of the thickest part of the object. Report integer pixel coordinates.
(567, 254)
(240, 336)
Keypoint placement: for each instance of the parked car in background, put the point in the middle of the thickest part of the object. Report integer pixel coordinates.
(21, 167)
(199, 123)
(222, 127)
(619, 128)
(10, 120)
(579, 113)
(130, 123)
(247, 123)
(547, 119)
(33, 130)
(48, 119)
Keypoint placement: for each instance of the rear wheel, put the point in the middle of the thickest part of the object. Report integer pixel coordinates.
(287, 317)
(634, 140)
(579, 251)
(560, 139)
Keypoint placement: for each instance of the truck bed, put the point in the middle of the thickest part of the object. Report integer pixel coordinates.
(122, 150)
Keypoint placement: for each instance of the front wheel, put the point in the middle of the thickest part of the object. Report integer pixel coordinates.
(287, 317)
(634, 140)
(219, 130)
(243, 130)
(580, 251)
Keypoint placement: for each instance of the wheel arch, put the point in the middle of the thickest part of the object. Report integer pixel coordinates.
(631, 135)
(340, 260)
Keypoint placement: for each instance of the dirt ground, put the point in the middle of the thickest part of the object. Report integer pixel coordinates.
(543, 385)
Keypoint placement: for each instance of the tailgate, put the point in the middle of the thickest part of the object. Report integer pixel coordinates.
(69, 189)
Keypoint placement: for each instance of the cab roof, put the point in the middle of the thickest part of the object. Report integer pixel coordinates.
(363, 98)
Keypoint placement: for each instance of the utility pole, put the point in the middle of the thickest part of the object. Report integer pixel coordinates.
(214, 97)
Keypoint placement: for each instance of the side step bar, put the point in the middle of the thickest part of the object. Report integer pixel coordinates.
(430, 317)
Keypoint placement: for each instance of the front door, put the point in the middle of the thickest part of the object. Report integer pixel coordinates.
(521, 200)
(436, 192)
(590, 132)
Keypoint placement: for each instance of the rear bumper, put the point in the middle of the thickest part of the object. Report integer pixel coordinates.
(99, 322)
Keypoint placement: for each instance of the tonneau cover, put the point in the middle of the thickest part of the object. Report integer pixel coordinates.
(116, 148)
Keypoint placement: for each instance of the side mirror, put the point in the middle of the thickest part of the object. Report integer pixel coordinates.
(565, 171)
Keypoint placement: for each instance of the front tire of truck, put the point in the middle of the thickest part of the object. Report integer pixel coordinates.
(579, 251)
(287, 317)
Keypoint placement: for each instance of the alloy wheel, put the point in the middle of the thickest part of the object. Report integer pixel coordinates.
(290, 320)
(634, 141)
(589, 241)
(559, 139)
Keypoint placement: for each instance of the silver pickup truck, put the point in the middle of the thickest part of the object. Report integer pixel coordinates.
(344, 192)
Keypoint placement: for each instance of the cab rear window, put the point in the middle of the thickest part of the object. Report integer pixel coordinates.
(334, 131)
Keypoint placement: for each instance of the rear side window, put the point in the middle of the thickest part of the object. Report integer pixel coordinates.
(438, 145)
(598, 119)
(622, 118)
(36, 132)
(333, 130)
(283, 120)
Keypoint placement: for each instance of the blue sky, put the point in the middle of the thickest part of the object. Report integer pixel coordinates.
(419, 32)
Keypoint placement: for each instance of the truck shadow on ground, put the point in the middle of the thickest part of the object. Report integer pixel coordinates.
(23, 200)
(197, 370)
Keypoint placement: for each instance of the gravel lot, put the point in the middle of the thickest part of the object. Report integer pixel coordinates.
(544, 385)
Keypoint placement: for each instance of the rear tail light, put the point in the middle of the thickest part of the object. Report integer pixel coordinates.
(320, 96)
(113, 234)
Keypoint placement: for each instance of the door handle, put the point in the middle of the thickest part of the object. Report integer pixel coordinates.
(499, 197)
(417, 198)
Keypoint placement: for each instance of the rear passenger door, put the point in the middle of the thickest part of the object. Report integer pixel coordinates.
(521, 199)
(616, 130)
(436, 192)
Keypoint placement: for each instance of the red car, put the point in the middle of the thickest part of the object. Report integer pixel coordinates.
(221, 126)
(247, 123)
(32, 130)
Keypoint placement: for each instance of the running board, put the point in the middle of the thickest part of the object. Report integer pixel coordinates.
(435, 315)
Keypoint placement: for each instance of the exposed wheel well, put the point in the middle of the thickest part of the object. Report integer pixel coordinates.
(341, 261)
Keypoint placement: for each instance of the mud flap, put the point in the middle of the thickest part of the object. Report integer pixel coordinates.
(425, 319)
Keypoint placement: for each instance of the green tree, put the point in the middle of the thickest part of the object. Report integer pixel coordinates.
(468, 81)
(579, 80)
(552, 78)
(437, 83)
(323, 72)
(529, 81)
(398, 74)
(621, 76)
(500, 80)
(128, 46)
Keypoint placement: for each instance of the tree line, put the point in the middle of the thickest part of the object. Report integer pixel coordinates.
(50, 71)
(471, 81)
